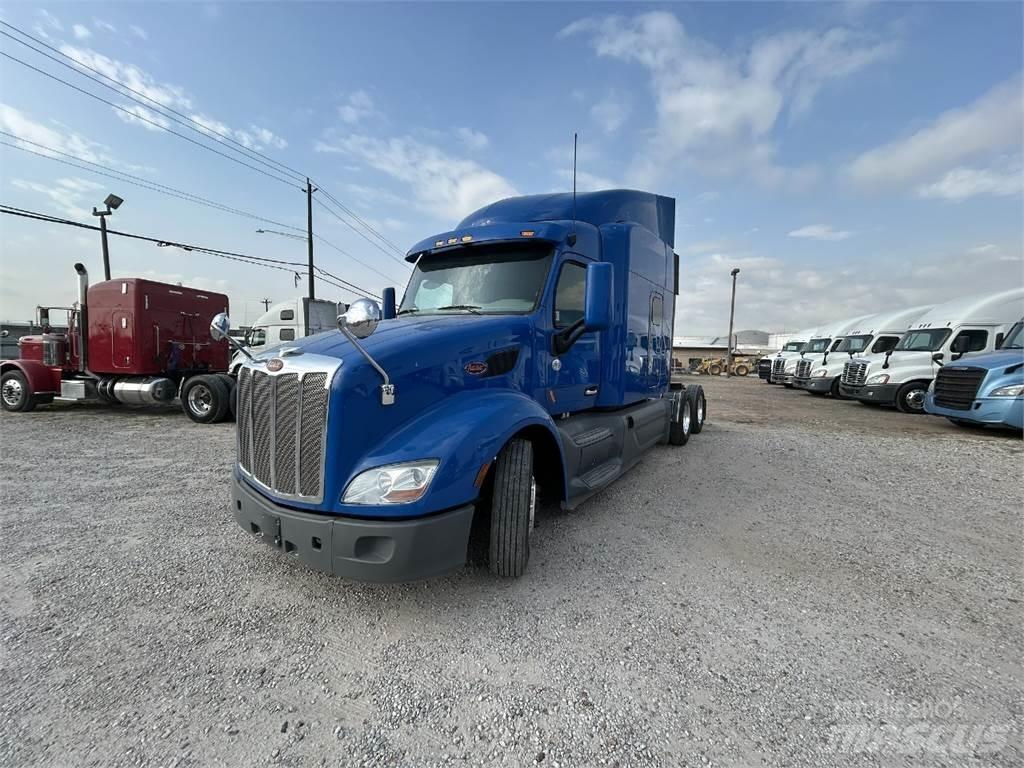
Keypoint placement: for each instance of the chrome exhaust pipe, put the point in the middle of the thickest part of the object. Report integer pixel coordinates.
(83, 316)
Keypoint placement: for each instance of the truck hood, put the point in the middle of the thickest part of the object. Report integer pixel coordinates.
(992, 361)
(903, 366)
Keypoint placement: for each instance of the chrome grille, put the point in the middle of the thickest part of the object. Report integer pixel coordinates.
(803, 369)
(282, 426)
(854, 373)
(779, 366)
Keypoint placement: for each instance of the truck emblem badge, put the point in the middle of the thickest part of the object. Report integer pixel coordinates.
(475, 368)
(556, 364)
(275, 364)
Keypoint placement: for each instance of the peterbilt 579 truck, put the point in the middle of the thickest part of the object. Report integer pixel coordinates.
(129, 340)
(531, 349)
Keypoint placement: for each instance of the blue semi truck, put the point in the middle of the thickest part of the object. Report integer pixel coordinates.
(987, 391)
(531, 351)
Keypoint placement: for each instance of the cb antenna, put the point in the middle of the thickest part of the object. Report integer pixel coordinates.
(572, 237)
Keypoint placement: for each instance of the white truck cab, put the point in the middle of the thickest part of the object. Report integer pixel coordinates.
(865, 337)
(288, 321)
(789, 352)
(962, 328)
(820, 341)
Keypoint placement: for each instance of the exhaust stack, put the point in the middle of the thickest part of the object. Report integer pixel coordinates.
(83, 316)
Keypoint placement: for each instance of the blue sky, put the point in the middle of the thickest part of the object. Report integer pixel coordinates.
(847, 157)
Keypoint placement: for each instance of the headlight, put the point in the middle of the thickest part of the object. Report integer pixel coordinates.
(1014, 390)
(391, 484)
(880, 378)
(819, 373)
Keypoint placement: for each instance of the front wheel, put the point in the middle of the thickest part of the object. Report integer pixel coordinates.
(15, 392)
(910, 397)
(741, 370)
(204, 399)
(715, 370)
(513, 504)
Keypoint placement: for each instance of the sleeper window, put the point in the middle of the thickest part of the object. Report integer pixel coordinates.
(287, 334)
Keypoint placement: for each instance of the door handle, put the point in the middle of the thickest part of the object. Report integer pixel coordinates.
(590, 391)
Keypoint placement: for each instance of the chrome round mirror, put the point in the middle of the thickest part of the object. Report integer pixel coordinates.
(219, 326)
(4, 333)
(361, 318)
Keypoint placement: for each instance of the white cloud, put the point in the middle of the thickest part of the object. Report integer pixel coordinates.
(611, 112)
(473, 139)
(820, 232)
(992, 123)
(104, 26)
(357, 107)
(138, 31)
(960, 184)
(81, 32)
(718, 110)
(445, 186)
(164, 94)
(65, 194)
(17, 123)
(138, 115)
(981, 250)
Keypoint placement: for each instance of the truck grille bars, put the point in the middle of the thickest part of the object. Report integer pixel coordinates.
(282, 428)
(956, 387)
(803, 369)
(854, 373)
(778, 366)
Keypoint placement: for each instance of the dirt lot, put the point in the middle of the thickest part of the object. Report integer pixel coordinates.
(806, 583)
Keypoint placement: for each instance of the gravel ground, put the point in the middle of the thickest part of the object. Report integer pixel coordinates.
(778, 592)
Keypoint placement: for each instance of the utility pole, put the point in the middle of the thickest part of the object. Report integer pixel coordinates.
(732, 312)
(309, 235)
(112, 203)
(266, 304)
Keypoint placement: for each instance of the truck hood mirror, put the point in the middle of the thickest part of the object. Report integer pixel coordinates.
(361, 318)
(219, 326)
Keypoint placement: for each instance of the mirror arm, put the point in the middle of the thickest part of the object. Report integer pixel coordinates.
(355, 343)
(562, 341)
(237, 345)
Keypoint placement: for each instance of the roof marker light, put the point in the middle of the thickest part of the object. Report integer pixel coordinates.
(439, 243)
(527, 233)
(452, 240)
(467, 238)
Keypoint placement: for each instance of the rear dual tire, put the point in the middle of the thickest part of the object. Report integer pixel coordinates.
(205, 398)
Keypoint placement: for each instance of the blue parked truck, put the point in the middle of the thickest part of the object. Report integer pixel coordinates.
(987, 391)
(531, 350)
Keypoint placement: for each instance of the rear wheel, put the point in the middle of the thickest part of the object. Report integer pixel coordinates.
(699, 409)
(715, 370)
(910, 397)
(681, 420)
(15, 392)
(513, 503)
(204, 399)
(741, 370)
(229, 384)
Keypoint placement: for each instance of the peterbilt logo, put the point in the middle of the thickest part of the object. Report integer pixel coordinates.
(475, 368)
(275, 364)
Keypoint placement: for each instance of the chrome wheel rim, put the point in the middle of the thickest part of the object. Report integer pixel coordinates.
(12, 392)
(200, 399)
(915, 399)
(686, 421)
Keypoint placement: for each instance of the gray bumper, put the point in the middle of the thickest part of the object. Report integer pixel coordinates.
(365, 550)
(883, 394)
(821, 385)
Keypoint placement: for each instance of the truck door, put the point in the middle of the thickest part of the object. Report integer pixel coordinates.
(574, 375)
(123, 340)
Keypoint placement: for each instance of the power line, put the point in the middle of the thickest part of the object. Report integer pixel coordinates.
(153, 104)
(128, 178)
(376, 245)
(154, 123)
(231, 255)
(355, 216)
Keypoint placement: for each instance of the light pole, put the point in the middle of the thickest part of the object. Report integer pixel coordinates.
(732, 313)
(113, 202)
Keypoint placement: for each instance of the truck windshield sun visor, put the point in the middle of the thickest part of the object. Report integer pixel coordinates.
(493, 279)
(927, 340)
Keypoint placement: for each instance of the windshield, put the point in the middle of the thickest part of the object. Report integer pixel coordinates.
(484, 280)
(1015, 337)
(816, 345)
(793, 346)
(854, 344)
(922, 341)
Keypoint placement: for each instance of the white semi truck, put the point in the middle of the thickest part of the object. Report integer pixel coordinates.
(820, 341)
(963, 328)
(790, 351)
(287, 321)
(866, 337)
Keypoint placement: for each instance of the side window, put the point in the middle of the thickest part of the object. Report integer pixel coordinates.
(569, 294)
(976, 340)
(884, 344)
(287, 334)
(835, 344)
(287, 314)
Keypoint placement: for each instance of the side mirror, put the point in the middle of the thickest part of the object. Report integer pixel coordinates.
(42, 316)
(937, 358)
(361, 318)
(389, 303)
(4, 333)
(219, 326)
(597, 300)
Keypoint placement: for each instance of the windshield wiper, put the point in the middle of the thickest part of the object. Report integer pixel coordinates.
(406, 311)
(468, 307)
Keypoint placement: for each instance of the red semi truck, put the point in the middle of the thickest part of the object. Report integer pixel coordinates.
(128, 340)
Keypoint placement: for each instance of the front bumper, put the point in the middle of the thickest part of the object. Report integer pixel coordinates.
(883, 394)
(997, 411)
(820, 385)
(782, 378)
(364, 550)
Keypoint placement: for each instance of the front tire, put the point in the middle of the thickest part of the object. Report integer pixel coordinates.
(15, 393)
(715, 370)
(513, 503)
(741, 370)
(204, 399)
(910, 397)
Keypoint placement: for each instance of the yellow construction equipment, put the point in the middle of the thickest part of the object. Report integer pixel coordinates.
(714, 366)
